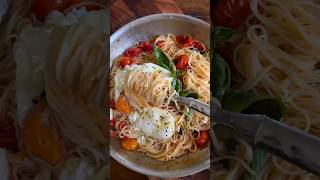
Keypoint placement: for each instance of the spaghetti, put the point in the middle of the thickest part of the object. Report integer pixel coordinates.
(138, 79)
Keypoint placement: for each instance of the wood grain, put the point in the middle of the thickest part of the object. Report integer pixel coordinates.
(125, 11)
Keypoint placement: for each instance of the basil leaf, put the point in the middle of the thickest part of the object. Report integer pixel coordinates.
(188, 93)
(162, 60)
(221, 35)
(236, 101)
(271, 107)
(177, 85)
(222, 76)
(179, 73)
(259, 159)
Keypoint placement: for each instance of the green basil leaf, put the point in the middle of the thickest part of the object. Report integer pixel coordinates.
(177, 85)
(222, 76)
(259, 159)
(179, 73)
(162, 60)
(236, 101)
(188, 93)
(271, 107)
(221, 35)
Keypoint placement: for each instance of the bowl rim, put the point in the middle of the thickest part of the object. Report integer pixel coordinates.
(122, 160)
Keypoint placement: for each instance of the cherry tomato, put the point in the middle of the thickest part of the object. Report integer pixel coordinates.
(184, 40)
(112, 104)
(202, 139)
(231, 13)
(112, 122)
(133, 52)
(113, 134)
(199, 46)
(129, 143)
(160, 44)
(146, 46)
(122, 124)
(181, 62)
(41, 8)
(125, 61)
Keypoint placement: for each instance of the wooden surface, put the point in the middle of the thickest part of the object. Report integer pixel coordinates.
(125, 11)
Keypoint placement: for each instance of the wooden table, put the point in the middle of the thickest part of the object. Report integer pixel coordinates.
(125, 11)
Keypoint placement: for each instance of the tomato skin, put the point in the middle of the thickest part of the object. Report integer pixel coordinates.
(199, 46)
(160, 44)
(129, 143)
(202, 139)
(184, 40)
(122, 124)
(231, 17)
(181, 62)
(41, 8)
(112, 104)
(124, 61)
(146, 46)
(112, 122)
(133, 52)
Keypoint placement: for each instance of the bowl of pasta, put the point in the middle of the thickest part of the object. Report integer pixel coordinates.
(152, 60)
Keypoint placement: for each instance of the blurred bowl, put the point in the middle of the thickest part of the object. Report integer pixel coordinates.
(140, 30)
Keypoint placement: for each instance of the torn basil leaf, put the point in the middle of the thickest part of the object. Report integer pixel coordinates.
(162, 60)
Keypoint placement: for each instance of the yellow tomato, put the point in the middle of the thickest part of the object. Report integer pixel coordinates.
(39, 139)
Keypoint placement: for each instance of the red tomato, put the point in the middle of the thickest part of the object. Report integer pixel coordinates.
(199, 46)
(112, 104)
(133, 52)
(112, 122)
(122, 124)
(146, 46)
(41, 8)
(181, 62)
(202, 139)
(160, 44)
(231, 13)
(125, 61)
(113, 134)
(184, 40)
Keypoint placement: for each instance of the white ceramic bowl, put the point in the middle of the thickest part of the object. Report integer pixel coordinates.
(139, 30)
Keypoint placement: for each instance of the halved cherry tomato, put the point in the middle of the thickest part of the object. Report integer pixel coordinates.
(122, 105)
(39, 139)
(124, 61)
(133, 52)
(181, 62)
(146, 46)
(231, 13)
(160, 44)
(112, 104)
(199, 46)
(122, 124)
(41, 8)
(184, 40)
(129, 143)
(112, 122)
(202, 139)
(113, 134)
